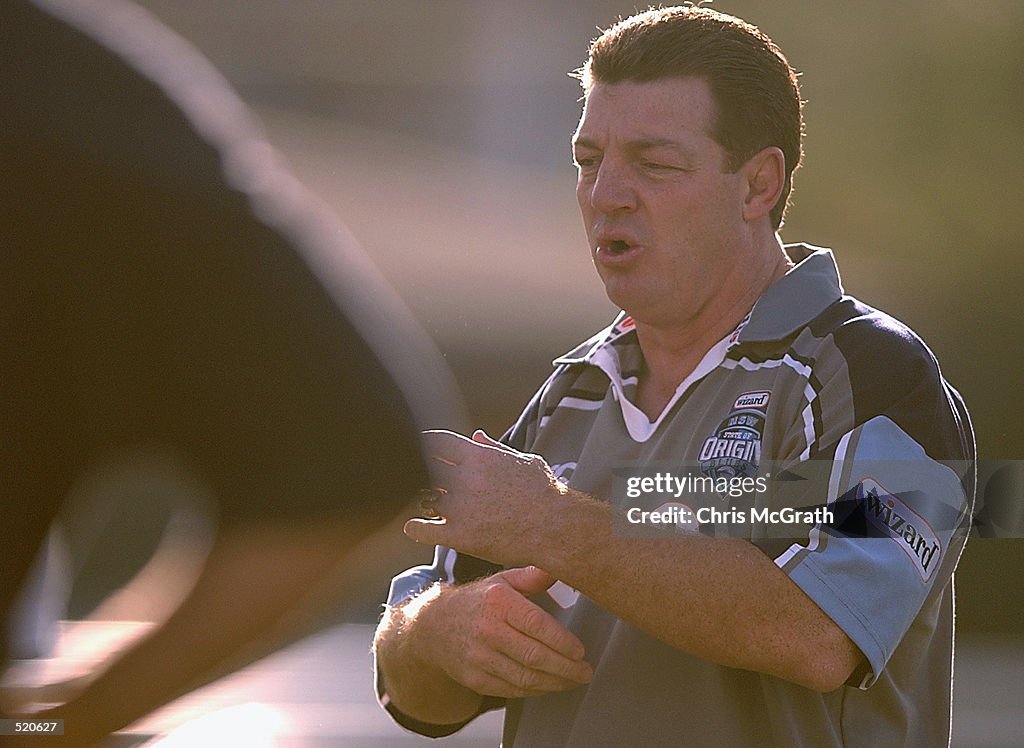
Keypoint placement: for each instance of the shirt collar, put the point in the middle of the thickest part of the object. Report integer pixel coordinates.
(797, 297)
(620, 328)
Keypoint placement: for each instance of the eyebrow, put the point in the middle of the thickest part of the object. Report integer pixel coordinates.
(642, 144)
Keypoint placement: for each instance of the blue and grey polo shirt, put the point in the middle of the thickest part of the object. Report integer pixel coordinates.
(843, 414)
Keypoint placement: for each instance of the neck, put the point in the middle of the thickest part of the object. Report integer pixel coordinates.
(672, 351)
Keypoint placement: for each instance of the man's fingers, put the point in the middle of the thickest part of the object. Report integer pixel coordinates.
(427, 531)
(486, 653)
(481, 437)
(537, 657)
(521, 680)
(529, 580)
(537, 624)
(446, 445)
(453, 449)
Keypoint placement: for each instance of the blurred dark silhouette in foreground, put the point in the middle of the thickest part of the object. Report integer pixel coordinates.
(179, 318)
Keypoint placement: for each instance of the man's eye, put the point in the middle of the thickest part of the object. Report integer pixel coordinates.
(585, 163)
(655, 166)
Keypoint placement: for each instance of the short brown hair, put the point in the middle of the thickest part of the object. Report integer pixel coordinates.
(753, 86)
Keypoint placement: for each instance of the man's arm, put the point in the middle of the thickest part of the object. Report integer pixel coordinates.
(720, 599)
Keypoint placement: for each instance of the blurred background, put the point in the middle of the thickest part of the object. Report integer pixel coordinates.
(438, 132)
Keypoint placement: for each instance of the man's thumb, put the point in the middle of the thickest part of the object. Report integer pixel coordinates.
(528, 580)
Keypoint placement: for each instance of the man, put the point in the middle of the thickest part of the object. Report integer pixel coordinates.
(743, 359)
(179, 317)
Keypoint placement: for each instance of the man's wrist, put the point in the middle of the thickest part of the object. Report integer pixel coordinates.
(575, 524)
(410, 668)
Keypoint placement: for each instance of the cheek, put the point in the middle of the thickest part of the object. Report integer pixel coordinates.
(698, 214)
(582, 194)
(586, 213)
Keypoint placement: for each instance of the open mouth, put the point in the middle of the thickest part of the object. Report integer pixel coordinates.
(615, 251)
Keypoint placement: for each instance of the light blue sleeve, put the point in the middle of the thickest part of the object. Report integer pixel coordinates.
(901, 519)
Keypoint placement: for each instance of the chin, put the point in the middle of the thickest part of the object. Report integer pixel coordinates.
(626, 296)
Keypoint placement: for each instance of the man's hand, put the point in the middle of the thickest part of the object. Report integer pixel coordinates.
(493, 640)
(496, 503)
(444, 650)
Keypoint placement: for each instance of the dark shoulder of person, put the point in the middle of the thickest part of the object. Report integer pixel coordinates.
(167, 283)
(893, 372)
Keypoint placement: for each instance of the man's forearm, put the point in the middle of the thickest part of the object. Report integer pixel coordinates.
(719, 599)
(416, 687)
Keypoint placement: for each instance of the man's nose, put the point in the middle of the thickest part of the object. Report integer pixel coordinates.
(612, 189)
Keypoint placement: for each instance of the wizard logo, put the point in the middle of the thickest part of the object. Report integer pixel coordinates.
(735, 448)
(897, 520)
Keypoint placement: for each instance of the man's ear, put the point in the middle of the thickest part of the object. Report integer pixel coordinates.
(765, 174)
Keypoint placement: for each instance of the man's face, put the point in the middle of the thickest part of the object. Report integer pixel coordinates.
(663, 214)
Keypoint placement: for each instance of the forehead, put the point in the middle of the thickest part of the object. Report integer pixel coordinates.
(671, 109)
